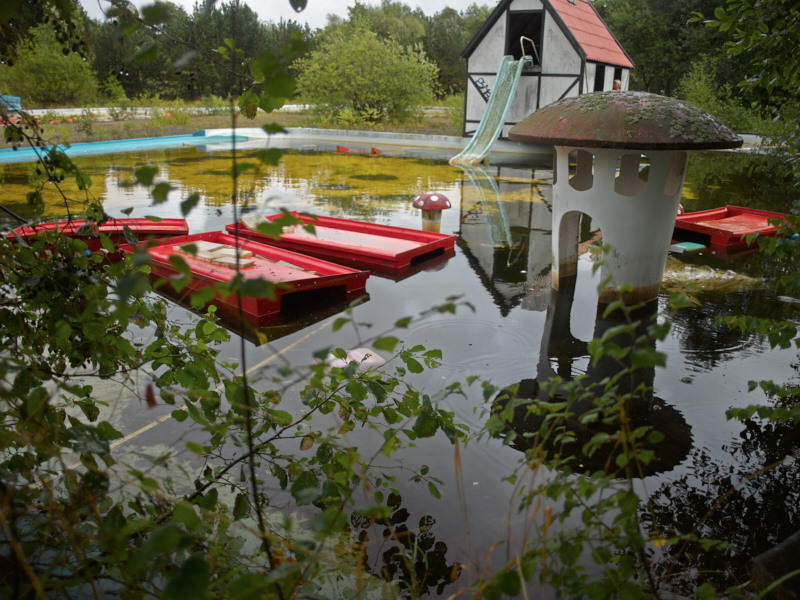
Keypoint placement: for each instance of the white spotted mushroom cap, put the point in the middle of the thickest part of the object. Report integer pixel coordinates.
(432, 201)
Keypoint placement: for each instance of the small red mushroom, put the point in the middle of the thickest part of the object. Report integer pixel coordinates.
(432, 205)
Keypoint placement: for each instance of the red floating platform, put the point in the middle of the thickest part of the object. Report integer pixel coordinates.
(113, 228)
(390, 251)
(725, 227)
(302, 283)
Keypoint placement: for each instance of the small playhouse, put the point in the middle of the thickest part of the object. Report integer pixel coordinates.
(572, 52)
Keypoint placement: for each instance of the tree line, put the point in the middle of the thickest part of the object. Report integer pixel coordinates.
(47, 67)
(405, 56)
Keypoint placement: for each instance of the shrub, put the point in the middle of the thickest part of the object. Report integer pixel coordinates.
(454, 104)
(86, 122)
(114, 90)
(699, 86)
(43, 75)
(386, 83)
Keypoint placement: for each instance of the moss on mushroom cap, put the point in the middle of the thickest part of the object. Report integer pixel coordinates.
(635, 120)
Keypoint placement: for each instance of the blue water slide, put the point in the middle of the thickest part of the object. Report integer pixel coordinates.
(491, 125)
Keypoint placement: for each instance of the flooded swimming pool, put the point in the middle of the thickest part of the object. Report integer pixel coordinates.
(515, 331)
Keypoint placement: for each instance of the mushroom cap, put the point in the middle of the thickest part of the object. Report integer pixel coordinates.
(432, 201)
(635, 120)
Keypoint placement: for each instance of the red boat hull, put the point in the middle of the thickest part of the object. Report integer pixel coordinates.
(384, 249)
(301, 282)
(113, 228)
(725, 227)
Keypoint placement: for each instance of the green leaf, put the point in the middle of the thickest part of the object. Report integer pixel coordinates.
(106, 242)
(252, 586)
(332, 520)
(82, 180)
(569, 553)
(145, 175)
(264, 65)
(184, 513)
(271, 128)
(509, 583)
(107, 432)
(601, 555)
(270, 157)
(192, 581)
(195, 414)
(242, 167)
(281, 86)
(160, 192)
(194, 447)
(339, 323)
(257, 288)
(305, 488)
(434, 490)
(248, 104)
(281, 417)
(386, 343)
(148, 54)
(201, 297)
(425, 425)
(413, 365)
(35, 201)
(208, 501)
(188, 204)
(153, 14)
(241, 506)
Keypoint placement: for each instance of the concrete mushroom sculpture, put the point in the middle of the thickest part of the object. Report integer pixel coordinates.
(620, 158)
(432, 205)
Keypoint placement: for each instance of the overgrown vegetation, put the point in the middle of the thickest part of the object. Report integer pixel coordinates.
(111, 65)
(44, 76)
(387, 83)
(269, 498)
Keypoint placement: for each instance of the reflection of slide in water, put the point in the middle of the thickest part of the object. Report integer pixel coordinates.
(494, 116)
(494, 210)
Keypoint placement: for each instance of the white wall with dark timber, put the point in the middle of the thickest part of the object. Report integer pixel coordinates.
(562, 71)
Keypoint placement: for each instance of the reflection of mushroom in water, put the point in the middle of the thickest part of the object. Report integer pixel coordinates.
(568, 437)
(532, 424)
(432, 205)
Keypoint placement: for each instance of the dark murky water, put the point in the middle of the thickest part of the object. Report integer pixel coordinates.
(518, 332)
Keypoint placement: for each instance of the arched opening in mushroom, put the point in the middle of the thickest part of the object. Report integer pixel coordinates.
(632, 173)
(581, 170)
(579, 248)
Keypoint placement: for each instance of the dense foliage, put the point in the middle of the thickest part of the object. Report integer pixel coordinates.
(44, 75)
(115, 53)
(662, 41)
(260, 501)
(386, 83)
(768, 28)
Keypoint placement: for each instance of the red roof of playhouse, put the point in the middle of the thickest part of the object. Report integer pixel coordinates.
(580, 20)
(591, 32)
